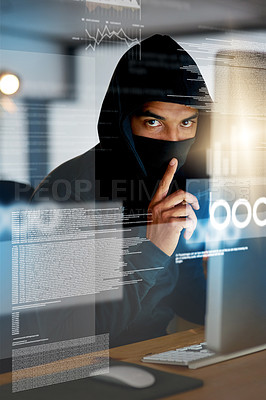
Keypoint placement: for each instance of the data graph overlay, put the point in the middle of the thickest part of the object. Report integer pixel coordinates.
(109, 35)
(118, 4)
(112, 23)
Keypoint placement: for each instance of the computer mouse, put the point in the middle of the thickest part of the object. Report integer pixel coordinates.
(128, 376)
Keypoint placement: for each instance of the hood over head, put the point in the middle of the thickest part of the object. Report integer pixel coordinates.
(157, 69)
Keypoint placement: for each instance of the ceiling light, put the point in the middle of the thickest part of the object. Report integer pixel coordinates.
(9, 83)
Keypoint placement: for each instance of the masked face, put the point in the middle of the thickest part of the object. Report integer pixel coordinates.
(162, 131)
(156, 154)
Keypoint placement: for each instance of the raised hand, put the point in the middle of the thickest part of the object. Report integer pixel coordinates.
(169, 215)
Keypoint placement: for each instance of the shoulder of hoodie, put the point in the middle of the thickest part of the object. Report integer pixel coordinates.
(80, 168)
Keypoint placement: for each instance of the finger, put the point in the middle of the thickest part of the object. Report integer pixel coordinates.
(165, 182)
(188, 224)
(189, 232)
(183, 223)
(179, 212)
(178, 197)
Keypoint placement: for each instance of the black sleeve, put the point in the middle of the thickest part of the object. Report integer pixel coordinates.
(189, 297)
(115, 317)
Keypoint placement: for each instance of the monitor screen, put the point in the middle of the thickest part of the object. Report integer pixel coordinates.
(236, 310)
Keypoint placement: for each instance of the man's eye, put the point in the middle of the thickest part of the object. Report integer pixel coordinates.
(187, 123)
(153, 122)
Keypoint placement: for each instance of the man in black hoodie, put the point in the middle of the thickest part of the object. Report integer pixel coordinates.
(150, 122)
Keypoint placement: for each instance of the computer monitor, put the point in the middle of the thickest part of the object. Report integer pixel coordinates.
(236, 295)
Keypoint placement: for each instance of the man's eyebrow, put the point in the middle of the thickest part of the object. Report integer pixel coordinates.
(148, 113)
(191, 117)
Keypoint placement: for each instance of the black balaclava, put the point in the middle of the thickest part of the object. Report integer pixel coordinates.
(156, 154)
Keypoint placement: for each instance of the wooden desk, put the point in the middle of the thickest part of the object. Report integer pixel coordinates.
(242, 378)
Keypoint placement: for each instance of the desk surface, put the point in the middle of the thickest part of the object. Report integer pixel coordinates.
(243, 378)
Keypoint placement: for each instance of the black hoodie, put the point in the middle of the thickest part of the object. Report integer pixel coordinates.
(156, 70)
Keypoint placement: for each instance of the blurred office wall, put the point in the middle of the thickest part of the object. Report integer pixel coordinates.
(54, 115)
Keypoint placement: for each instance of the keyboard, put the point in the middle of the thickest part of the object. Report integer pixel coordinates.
(196, 356)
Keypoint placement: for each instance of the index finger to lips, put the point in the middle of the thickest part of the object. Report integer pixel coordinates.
(166, 180)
